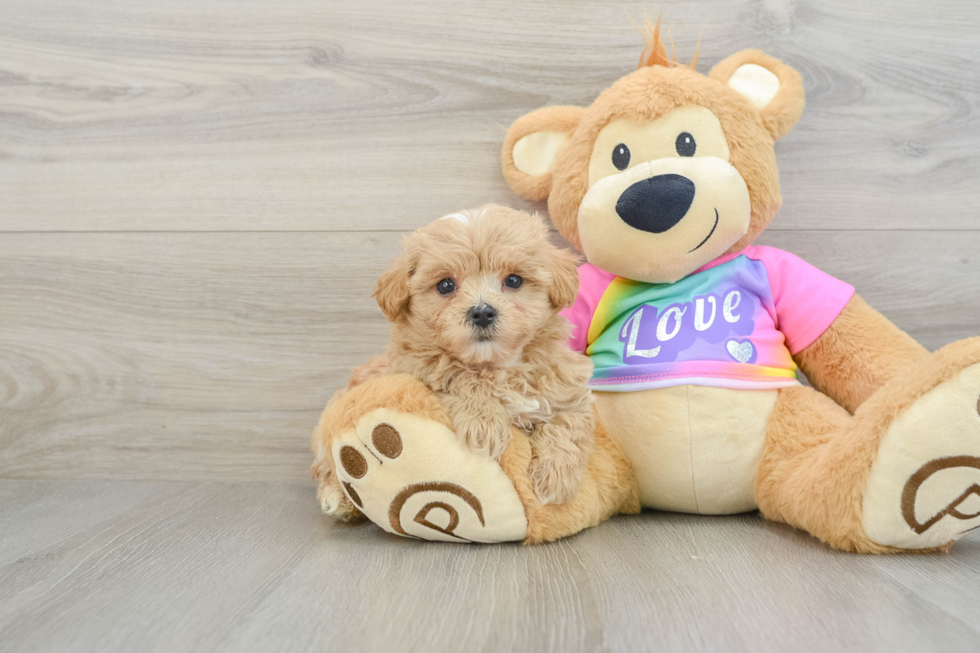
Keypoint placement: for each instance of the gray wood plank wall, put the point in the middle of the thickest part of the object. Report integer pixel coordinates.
(195, 202)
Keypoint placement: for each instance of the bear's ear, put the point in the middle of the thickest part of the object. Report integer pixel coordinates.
(773, 88)
(532, 146)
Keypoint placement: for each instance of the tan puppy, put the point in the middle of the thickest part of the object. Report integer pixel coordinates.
(474, 301)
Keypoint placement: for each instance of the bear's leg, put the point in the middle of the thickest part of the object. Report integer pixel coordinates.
(902, 473)
(386, 447)
(806, 477)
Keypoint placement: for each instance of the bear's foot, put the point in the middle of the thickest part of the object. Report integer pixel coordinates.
(413, 477)
(923, 489)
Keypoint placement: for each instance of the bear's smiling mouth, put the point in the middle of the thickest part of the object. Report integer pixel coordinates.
(715, 226)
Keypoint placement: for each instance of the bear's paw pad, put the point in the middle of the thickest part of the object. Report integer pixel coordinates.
(924, 487)
(413, 477)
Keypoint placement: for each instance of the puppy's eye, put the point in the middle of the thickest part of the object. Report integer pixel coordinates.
(513, 281)
(685, 144)
(446, 287)
(621, 156)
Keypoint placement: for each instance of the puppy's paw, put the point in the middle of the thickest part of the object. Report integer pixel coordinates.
(556, 475)
(486, 437)
(335, 503)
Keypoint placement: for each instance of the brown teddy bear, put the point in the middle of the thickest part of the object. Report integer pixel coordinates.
(696, 334)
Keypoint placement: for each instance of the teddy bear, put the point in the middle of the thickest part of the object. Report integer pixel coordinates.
(697, 336)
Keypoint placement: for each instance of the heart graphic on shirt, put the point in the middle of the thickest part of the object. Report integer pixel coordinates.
(743, 352)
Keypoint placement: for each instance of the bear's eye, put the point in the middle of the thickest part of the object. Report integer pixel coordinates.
(621, 156)
(446, 287)
(685, 144)
(513, 281)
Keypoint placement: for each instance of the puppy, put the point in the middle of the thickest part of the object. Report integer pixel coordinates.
(474, 303)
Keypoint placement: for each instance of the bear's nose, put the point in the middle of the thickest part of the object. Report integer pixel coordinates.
(482, 315)
(656, 204)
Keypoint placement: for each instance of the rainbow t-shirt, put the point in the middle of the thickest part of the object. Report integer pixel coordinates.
(735, 323)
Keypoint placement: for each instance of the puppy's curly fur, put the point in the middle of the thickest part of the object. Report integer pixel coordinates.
(517, 369)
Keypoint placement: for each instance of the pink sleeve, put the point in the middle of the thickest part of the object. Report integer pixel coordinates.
(807, 300)
(592, 283)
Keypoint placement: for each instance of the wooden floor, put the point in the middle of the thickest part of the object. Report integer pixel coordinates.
(185, 566)
(195, 201)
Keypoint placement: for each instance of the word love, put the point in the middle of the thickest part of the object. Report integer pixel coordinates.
(650, 333)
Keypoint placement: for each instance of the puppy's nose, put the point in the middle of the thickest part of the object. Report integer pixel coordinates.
(656, 204)
(482, 315)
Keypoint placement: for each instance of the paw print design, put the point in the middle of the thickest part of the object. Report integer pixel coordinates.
(413, 477)
(924, 487)
(965, 507)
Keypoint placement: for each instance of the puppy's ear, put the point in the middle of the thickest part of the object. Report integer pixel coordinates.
(391, 292)
(532, 146)
(564, 277)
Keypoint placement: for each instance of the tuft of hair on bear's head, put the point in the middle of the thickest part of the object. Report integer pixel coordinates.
(655, 52)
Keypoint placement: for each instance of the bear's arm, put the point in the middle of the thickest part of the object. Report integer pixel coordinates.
(857, 354)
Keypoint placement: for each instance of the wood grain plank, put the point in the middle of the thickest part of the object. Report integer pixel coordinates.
(46, 527)
(302, 115)
(206, 356)
(253, 566)
(161, 575)
(154, 333)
